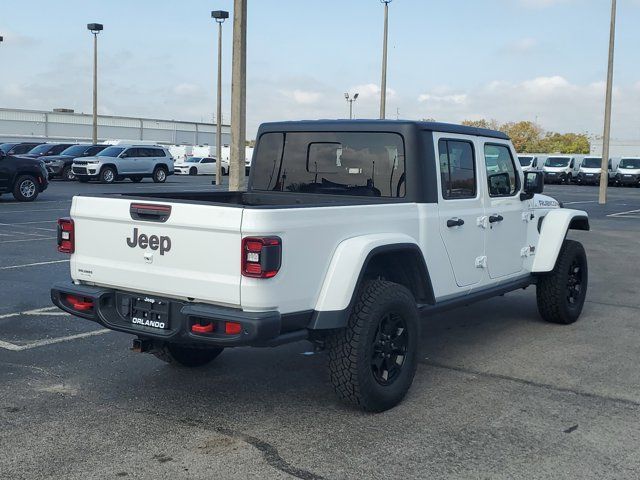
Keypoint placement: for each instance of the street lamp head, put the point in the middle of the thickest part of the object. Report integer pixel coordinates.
(220, 15)
(386, 2)
(1, 38)
(346, 95)
(355, 97)
(95, 28)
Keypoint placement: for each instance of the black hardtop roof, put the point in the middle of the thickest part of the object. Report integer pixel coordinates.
(377, 126)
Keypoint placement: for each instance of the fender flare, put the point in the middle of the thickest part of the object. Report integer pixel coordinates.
(346, 271)
(553, 232)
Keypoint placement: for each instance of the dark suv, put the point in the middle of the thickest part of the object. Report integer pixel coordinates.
(18, 148)
(24, 177)
(47, 149)
(60, 165)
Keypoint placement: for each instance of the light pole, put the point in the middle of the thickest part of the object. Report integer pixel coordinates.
(95, 29)
(604, 169)
(238, 96)
(220, 16)
(350, 100)
(383, 83)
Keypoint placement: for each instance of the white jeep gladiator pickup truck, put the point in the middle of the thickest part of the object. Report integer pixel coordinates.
(348, 234)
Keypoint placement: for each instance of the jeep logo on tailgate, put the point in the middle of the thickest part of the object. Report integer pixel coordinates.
(153, 242)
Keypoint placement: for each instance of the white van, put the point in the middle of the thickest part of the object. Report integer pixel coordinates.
(561, 168)
(181, 152)
(628, 171)
(530, 163)
(590, 170)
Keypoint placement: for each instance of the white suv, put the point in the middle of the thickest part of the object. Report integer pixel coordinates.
(126, 161)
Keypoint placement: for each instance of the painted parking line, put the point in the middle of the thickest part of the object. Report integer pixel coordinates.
(13, 267)
(38, 311)
(27, 223)
(50, 341)
(28, 240)
(575, 203)
(39, 210)
(627, 214)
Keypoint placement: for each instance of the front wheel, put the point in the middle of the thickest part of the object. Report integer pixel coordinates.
(562, 292)
(373, 360)
(159, 175)
(25, 189)
(193, 171)
(107, 175)
(67, 174)
(185, 356)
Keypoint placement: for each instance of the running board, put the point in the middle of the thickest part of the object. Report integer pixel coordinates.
(478, 296)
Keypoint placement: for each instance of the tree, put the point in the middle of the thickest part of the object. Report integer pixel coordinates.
(524, 135)
(482, 123)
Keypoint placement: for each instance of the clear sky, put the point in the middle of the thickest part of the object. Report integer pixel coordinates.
(449, 60)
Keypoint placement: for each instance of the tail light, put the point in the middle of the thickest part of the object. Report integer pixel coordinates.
(261, 256)
(66, 235)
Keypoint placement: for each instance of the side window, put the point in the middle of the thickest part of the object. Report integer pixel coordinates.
(571, 164)
(457, 169)
(502, 178)
(207, 160)
(158, 152)
(93, 151)
(132, 152)
(610, 165)
(535, 162)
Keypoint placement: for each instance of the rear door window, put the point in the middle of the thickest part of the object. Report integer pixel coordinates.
(457, 169)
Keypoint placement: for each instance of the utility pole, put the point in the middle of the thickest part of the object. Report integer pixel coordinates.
(604, 170)
(220, 16)
(238, 96)
(350, 101)
(383, 83)
(95, 29)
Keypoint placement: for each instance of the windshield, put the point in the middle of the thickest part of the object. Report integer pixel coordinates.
(525, 161)
(5, 147)
(194, 160)
(557, 162)
(629, 163)
(337, 163)
(40, 149)
(592, 163)
(74, 151)
(111, 152)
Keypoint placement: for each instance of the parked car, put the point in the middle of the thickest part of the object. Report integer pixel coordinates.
(628, 172)
(560, 169)
(61, 165)
(208, 151)
(126, 161)
(530, 163)
(343, 240)
(25, 178)
(197, 166)
(47, 150)
(19, 148)
(591, 169)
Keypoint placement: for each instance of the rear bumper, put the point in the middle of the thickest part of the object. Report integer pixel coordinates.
(111, 309)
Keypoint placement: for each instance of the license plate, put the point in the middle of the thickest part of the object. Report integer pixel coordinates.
(551, 173)
(627, 176)
(149, 312)
(589, 174)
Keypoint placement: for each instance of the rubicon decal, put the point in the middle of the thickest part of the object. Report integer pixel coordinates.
(153, 242)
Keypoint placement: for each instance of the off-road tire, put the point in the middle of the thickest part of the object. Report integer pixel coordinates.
(351, 349)
(160, 175)
(108, 175)
(185, 356)
(67, 174)
(558, 301)
(136, 179)
(26, 188)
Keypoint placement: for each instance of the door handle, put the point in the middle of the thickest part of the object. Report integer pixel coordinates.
(495, 218)
(455, 222)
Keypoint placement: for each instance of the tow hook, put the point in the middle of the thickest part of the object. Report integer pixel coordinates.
(141, 345)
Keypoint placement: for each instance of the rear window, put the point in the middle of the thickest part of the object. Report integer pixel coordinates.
(338, 163)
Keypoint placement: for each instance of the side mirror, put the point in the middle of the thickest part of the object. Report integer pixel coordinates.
(533, 183)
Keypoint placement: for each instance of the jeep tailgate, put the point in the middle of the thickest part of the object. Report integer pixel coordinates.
(194, 254)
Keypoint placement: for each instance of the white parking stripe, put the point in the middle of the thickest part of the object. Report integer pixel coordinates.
(575, 203)
(11, 267)
(26, 223)
(37, 311)
(629, 213)
(28, 240)
(50, 341)
(41, 210)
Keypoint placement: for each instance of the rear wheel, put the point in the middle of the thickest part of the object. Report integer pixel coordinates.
(107, 175)
(160, 175)
(185, 356)
(25, 189)
(67, 174)
(373, 360)
(562, 292)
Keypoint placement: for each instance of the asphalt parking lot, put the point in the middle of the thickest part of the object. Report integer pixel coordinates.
(499, 393)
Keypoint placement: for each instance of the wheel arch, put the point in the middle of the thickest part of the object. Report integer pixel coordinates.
(553, 231)
(396, 258)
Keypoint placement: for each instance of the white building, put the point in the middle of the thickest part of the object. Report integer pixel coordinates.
(66, 126)
(617, 148)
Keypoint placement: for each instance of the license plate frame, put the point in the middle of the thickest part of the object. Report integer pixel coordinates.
(149, 312)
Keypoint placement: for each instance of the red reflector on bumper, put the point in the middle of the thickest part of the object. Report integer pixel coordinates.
(80, 304)
(232, 328)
